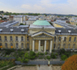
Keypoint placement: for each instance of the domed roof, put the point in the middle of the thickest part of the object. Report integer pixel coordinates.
(41, 22)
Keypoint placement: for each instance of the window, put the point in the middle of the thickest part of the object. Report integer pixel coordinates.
(69, 38)
(73, 46)
(68, 46)
(6, 46)
(54, 46)
(0, 45)
(16, 38)
(64, 39)
(5, 38)
(11, 44)
(22, 38)
(0, 38)
(58, 46)
(16, 45)
(54, 38)
(21, 45)
(27, 38)
(10, 38)
(63, 45)
(59, 38)
(74, 39)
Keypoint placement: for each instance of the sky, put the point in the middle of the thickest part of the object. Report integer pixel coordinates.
(40, 6)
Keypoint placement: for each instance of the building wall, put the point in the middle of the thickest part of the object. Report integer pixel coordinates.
(14, 41)
(67, 42)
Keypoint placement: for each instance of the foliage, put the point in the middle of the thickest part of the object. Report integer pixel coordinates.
(8, 51)
(41, 53)
(26, 60)
(5, 63)
(61, 51)
(63, 57)
(26, 55)
(46, 53)
(70, 63)
(53, 55)
(48, 57)
(21, 24)
(56, 54)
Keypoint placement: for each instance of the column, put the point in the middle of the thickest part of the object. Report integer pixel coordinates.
(39, 46)
(45, 46)
(50, 46)
(33, 45)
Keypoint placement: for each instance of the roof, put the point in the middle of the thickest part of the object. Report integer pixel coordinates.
(41, 22)
(13, 30)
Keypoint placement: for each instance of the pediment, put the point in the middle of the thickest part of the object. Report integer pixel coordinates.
(42, 34)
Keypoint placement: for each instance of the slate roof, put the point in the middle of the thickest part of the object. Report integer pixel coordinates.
(65, 31)
(16, 30)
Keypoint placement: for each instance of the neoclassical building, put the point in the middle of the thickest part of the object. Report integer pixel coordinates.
(40, 36)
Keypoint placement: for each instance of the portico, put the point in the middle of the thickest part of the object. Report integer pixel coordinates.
(42, 34)
(42, 45)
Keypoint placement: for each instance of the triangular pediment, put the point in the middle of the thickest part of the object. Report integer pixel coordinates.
(42, 34)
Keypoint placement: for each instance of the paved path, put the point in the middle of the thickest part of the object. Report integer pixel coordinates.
(40, 62)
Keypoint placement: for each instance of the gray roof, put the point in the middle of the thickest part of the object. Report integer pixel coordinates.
(15, 30)
(8, 23)
(66, 31)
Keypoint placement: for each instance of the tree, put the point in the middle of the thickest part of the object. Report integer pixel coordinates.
(70, 63)
(63, 57)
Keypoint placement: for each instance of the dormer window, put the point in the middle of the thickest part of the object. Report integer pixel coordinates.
(22, 30)
(59, 31)
(69, 31)
(11, 30)
(0, 30)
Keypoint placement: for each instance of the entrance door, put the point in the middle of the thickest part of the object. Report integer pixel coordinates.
(42, 45)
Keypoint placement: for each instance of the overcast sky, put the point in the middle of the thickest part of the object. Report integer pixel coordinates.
(40, 6)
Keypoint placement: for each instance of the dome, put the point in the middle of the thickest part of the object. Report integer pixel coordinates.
(41, 22)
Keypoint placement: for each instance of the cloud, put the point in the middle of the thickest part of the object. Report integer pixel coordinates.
(33, 8)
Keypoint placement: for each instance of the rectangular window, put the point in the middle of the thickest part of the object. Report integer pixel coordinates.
(10, 38)
(68, 46)
(16, 38)
(74, 39)
(69, 38)
(11, 44)
(27, 38)
(64, 39)
(54, 38)
(59, 38)
(21, 45)
(54, 46)
(0, 38)
(73, 46)
(63, 45)
(0, 44)
(6, 46)
(5, 38)
(22, 38)
(16, 45)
